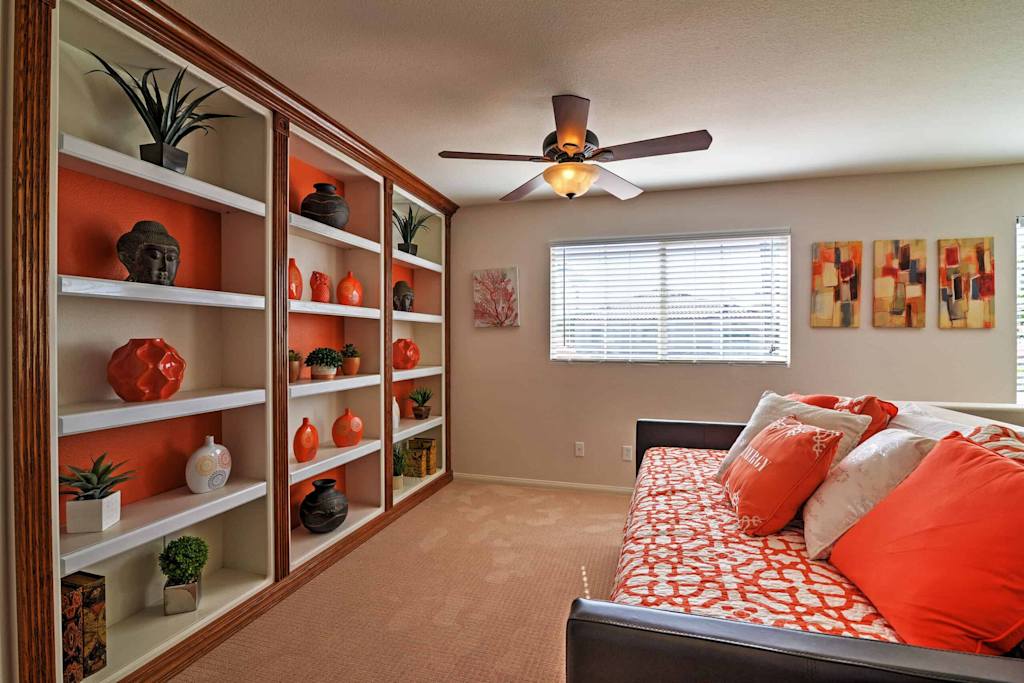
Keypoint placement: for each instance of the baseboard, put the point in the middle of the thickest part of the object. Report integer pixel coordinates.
(543, 483)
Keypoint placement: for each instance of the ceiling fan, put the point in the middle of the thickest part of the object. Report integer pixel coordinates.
(571, 145)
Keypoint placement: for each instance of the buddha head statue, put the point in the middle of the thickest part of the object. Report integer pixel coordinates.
(150, 254)
(403, 296)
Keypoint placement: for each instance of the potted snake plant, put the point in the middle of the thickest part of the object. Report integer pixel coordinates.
(96, 505)
(408, 225)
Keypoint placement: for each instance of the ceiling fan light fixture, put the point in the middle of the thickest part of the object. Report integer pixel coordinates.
(571, 179)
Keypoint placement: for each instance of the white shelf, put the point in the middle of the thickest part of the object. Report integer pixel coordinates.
(153, 518)
(330, 457)
(307, 228)
(73, 285)
(413, 483)
(416, 373)
(89, 417)
(101, 162)
(306, 545)
(311, 387)
(408, 428)
(416, 261)
(137, 638)
(317, 308)
(418, 317)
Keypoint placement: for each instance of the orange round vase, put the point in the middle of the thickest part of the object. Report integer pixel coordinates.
(294, 280)
(347, 430)
(350, 366)
(350, 291)
(320, 287)
(306, 441)
(405, 354)
(145, 370)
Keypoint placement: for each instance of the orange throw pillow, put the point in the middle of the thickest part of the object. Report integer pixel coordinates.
(819, 400)
(878, 410)
(777, 472)
(941, 556)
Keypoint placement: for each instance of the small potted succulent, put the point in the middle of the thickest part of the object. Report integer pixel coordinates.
(323, 362)
(420, 396)
(349, 360)
(182, 562)
(96, 505)
(408, 225)
(294, 365)
(397, 467)
(169, 117)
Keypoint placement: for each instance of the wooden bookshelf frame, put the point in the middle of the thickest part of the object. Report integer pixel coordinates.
(33, 418)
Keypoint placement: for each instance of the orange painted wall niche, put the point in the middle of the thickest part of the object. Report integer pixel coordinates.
(301, 489)
(401, 391)
(301, 177)
(157, 451)
(93, 213)
(307, 331)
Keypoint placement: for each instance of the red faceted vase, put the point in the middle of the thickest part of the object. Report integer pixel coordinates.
(306, 441)
(347, 430)
(350, 291)
(294, 280)
(405, 354)
(320, 287)
(145, 370)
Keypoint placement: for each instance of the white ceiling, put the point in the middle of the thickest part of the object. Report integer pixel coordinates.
(787, 88)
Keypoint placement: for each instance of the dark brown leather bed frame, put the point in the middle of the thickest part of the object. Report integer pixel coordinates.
(616, 643)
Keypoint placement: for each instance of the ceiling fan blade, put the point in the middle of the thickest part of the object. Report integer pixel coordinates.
(670, 144)
(571, 113)
(616, 185)
(491, 157)
(526, 188)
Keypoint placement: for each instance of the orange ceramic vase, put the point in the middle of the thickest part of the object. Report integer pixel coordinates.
(294, 280)
(320, 287)
(347, 430)
(145, 370)
(405, 354)
(350, 291)
(306, 441)
(350, 366)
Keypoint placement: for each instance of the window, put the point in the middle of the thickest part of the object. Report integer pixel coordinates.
(1020, 309)
(697, 299)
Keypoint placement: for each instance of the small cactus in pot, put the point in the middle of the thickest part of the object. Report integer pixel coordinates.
(420, 396)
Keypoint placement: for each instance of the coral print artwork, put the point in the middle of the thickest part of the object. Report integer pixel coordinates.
(967, 284)
(835, 284)
(496, 297)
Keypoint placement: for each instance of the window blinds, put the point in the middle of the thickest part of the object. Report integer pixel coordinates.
(682, 299)
(1020, 310)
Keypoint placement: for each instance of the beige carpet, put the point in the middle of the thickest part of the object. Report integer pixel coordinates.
(474, 584)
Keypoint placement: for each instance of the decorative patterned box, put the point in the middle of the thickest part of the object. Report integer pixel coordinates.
(427, 447)
(415, 463)
(72, 624)
(88, 591)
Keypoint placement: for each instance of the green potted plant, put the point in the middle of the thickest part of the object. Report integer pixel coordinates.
(182, 562)
(420, 396)
(397, 467)
(170, 117)
(408, 225)
(323, 362)
(294, 365)
(96, 505)
(349, 360)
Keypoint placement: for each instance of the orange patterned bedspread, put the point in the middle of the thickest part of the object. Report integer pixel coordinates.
(683, 551)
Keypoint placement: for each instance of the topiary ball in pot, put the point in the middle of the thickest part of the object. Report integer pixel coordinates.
(182, 562)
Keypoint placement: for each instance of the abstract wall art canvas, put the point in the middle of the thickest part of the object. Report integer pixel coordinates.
(496, 297)
(835, 284)
(899, 284)
(967, 283)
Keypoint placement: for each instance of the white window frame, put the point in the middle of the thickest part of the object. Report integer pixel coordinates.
(683, 237)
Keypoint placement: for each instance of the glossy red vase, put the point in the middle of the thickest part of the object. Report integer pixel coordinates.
(405, 354)
(145, 370)
(320, 287)
(350, 291)
(294, 280)
(347, 430)
(306, 441)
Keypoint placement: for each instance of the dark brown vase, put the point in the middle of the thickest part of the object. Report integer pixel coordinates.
(325, 509)
(326, 206)
(162, 154)
(421, 412)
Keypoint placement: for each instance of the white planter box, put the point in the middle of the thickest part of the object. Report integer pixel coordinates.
(86, 516)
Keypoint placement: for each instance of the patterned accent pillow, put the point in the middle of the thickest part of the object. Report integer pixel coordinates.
(878, 410)
(1002, 440)
(867, 475)
(776, 472)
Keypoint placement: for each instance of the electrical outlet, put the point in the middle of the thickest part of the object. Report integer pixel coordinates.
(627, 453)
(578, 451)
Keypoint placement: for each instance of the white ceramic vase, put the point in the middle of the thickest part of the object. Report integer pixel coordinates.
(396, 413)
(208, 468)
(85, 516)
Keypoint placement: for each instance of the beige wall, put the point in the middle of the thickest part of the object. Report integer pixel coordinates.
(517, 414)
